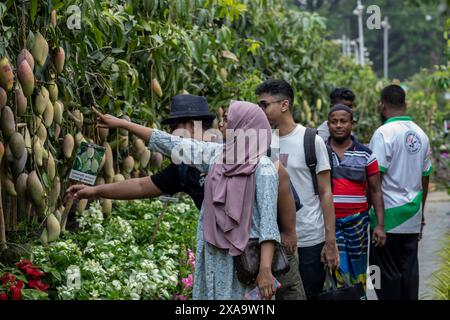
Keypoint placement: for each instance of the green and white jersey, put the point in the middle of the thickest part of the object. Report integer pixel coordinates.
(403, 153)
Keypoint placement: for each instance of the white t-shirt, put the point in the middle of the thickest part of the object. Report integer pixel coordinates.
(290, 150)
(403, 153)
(323, 131)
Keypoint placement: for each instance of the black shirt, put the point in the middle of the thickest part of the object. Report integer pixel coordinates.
(181, 178)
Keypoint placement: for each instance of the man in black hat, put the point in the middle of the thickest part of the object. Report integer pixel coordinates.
(174, 178)
(187, 109)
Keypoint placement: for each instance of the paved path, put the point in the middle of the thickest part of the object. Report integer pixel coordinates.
(437, 217)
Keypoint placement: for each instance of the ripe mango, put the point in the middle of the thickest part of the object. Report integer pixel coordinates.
(49, 114)
(53, 91)
(68, 145)
(38, 151)
(58, 112)
(26, 78)
(3, 98)
(6, 75)
(128, 164)
(20, 102)
(41, 100)
(156, 87)
(59, 57)
(53, 228)
(8, 125)
(40, 49)
(25, 55)
(17, 145)
(35, 189)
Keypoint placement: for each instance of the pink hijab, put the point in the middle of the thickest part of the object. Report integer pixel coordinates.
(231, 184)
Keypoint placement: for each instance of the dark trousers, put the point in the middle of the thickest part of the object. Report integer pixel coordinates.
(292, 286)
(311, 269)
(399, 267)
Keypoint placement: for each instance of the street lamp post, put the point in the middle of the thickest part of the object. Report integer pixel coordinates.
(386, 26)
(359, 12)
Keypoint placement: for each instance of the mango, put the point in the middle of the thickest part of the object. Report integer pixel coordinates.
(25, 55)
(21, 102)
(6, 75)
(100, 181)
(38, 151)
(2, 151)
(21, 185)
(53, 91)
(58, 112)
(79, 138)
(26, 78)
(8, 125)
(78, 119)
(103, 134)
(118, 177)
(17, 145)
(107, 207)
(82, 205)
(19, 165)
(156, 87)
(68, 145)
(53, 18)
(41, 100)
(109, 161)
(54, 192)
(57, 131)
(42, 133)
(128, 164)
(48, 114)
(223, 74)
(139, 146)
(44, 237)
(3, 98)
(59, 57)
(40, 49)
(53, 228)
(27, 138)
(8, 186)
(156, 159)
(35, 189)
(145, 158)
(51, 166)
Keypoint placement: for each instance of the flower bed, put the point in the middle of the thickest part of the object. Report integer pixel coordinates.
(125, 256)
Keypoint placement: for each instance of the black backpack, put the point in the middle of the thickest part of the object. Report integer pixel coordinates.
(311, 159)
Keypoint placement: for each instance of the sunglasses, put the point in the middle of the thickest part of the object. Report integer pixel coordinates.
(265, 104)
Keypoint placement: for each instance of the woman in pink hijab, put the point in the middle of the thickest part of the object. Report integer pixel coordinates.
(240, 200)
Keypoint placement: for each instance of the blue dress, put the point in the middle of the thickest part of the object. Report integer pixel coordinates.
(215, 274)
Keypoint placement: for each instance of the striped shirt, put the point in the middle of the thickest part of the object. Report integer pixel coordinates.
(350, 179)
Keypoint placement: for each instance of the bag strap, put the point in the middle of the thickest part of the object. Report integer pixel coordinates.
(330, 283)
(310, 155)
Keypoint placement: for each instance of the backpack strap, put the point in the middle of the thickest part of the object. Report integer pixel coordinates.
(310, 155)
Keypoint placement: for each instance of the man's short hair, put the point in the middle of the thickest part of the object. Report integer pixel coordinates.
(279, 88)
(393, 96)
(341, 107)
(339, 94)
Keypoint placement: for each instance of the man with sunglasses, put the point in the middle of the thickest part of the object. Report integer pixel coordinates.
(315, 222)
(337, 96)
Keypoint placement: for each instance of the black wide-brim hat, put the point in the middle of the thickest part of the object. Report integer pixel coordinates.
(188, 106)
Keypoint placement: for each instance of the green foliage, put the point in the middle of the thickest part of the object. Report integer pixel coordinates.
(123, 45)
(441, 279)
